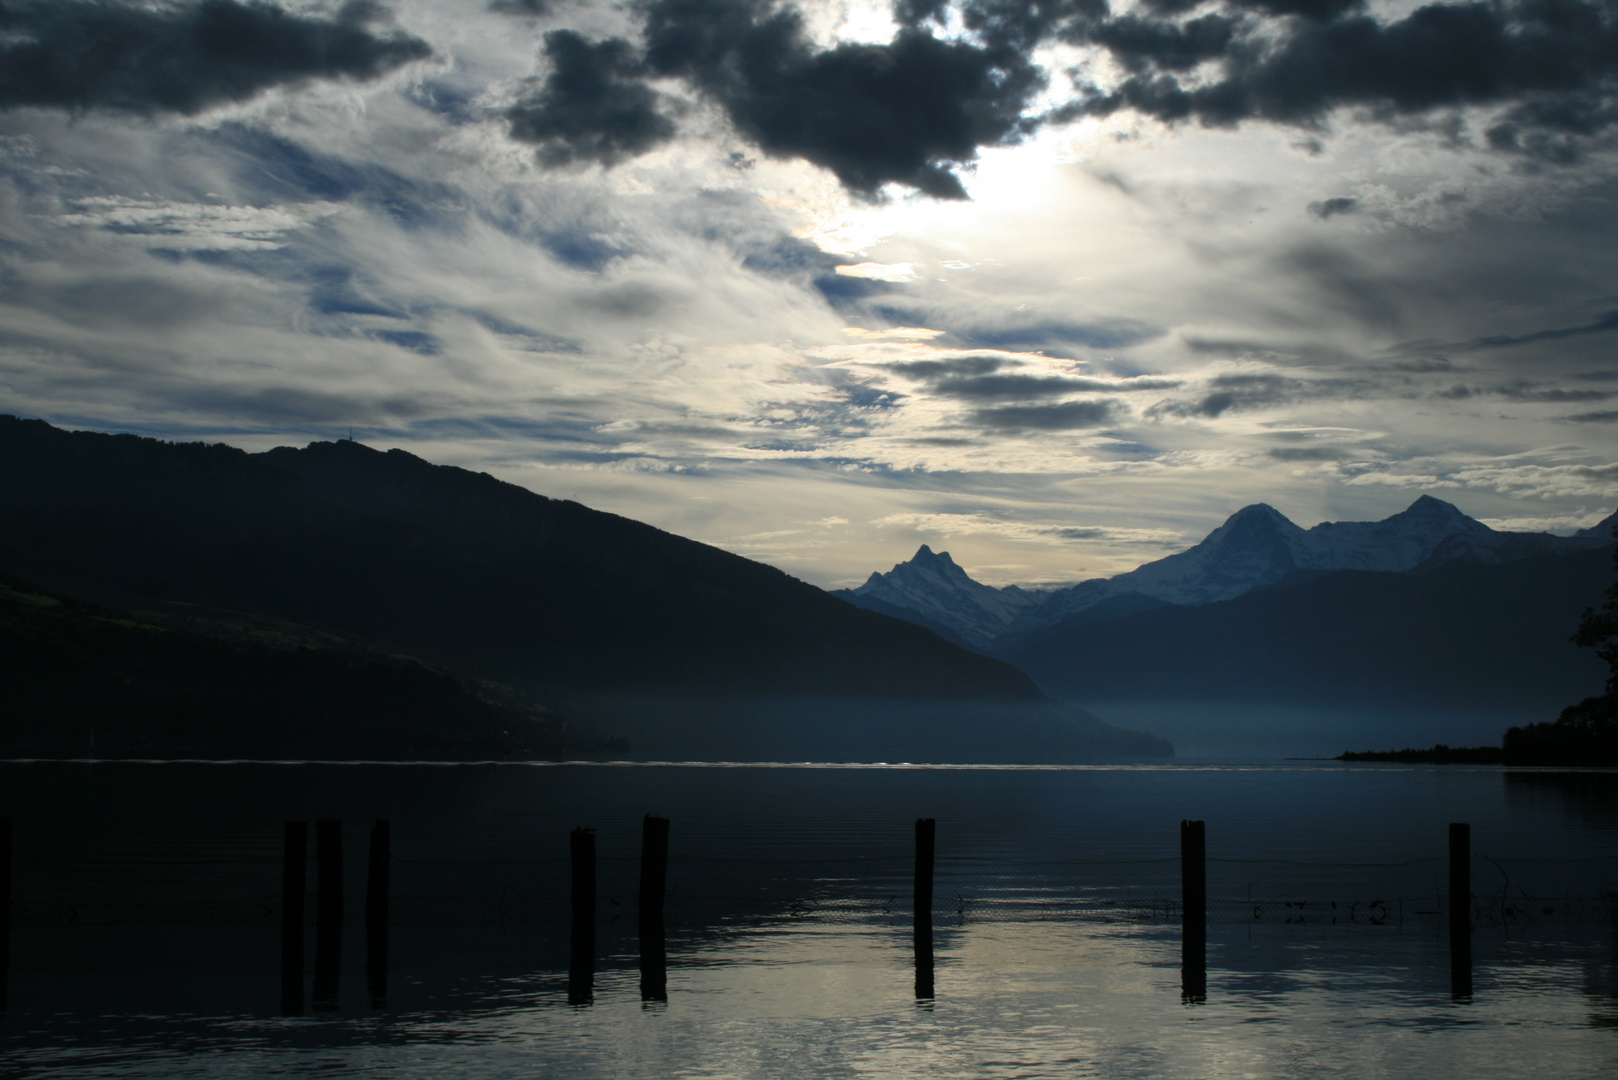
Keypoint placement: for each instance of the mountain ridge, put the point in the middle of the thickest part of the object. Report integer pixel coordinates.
(494, 583)
(1257, 546)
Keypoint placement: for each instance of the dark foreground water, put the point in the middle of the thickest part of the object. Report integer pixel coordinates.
(146, 931)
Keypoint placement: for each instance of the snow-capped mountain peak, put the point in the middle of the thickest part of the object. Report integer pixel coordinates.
(1255, 547)
(931, 584)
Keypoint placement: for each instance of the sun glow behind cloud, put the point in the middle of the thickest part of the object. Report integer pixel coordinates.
(1128, 331)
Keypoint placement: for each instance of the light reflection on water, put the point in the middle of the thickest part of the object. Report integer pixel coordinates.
(756, 991)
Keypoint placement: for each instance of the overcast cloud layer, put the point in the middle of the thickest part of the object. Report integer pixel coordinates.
(1055, 286)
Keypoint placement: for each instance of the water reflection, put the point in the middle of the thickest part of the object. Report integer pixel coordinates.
(799, 956)
(328, 914)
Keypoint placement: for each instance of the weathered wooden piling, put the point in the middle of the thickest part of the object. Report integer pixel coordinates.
(1193, 911)
(654, 869)
(581, 963)
(294, 868)
(5, 910)
(1460, 910)
(378, 872)
(921, 907)
(328, 913)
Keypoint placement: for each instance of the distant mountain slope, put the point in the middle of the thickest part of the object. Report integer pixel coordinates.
(81, 679)
(452, 566)
(1256, 547)
(1490, 637)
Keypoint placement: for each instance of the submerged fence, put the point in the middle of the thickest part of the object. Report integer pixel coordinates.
(925, 889)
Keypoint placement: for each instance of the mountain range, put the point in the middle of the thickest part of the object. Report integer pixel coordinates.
(1255, 548)
(1426, 617)
(564, 607)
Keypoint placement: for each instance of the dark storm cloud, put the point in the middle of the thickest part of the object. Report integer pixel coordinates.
(1552, 61)
(1066, 416)
(903, 112)
(1143, 44)
(521, 7)
(1606, 417)
(906, 112)
(913, 110)
(181, 58)
(593, 106)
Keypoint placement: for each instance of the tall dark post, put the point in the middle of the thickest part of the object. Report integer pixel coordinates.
(294, 861)
(1193, 912)
(1460, 910)
(654, 869)
(581, 965)
(376, 912)
(328, 913)
(922, 908)
(5, 910)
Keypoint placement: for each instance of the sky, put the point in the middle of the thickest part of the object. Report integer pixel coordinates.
(1054, 286)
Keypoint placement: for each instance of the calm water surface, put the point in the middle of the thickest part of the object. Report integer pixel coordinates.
(146, 932)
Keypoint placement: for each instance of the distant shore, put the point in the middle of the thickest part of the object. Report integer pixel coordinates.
(1439, 754)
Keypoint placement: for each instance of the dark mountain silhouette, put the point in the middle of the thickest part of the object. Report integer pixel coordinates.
(463, 570)
(82, 679)
(1463, 635)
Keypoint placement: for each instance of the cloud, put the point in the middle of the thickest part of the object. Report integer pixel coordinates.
(1066, 416)
(985, 378)
(135, 58)
(879, 271)
(1549, 63)
(1604, 323)
(194, 226)
(593, 106)
(1246, 391)
(1328, 208)
(904, 112)
(1102, 334)
(959, 524)
(1523, 390)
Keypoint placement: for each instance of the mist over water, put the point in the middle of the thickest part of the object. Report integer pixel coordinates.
(146, 930)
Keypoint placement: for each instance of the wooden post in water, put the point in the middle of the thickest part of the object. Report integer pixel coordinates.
(328, 913)
(1193, 912)
(376, 912)
(1460, 910)
(5, 911)
(294, 860)
(654, 868)
(581, 964)
(921, 906)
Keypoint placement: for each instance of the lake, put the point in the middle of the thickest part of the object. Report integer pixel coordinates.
(146, 935)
